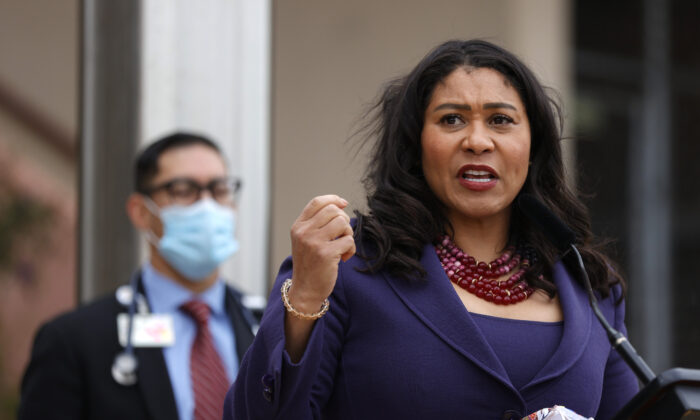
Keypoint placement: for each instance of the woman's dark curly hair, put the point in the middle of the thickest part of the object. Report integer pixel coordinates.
(403, 212)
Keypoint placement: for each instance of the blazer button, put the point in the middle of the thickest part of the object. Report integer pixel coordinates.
(511, 415)
(268, 383)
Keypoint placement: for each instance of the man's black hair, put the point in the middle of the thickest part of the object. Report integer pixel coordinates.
(146, 167)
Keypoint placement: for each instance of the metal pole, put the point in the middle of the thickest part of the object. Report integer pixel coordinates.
(109, 137)
(650, 172)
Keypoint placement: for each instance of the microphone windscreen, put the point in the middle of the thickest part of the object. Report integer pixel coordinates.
(553, 227)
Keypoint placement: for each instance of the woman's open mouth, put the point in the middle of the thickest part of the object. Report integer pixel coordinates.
(477, 177)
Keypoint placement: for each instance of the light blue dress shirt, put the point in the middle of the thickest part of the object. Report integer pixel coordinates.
(165, 297)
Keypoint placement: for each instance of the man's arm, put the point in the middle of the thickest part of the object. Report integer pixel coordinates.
(52, 386)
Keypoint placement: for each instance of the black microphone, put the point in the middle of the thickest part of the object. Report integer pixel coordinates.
(561, 236)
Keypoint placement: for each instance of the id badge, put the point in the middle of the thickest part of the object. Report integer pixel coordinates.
(148, 330)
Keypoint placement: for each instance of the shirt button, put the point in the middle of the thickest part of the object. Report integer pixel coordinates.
(268, 383)
(511, 415)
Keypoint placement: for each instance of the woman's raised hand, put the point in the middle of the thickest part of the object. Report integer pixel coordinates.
(321, 237)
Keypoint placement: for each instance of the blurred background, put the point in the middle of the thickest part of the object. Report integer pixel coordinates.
(282, 85)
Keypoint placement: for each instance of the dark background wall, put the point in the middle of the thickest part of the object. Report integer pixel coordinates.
(612, 70)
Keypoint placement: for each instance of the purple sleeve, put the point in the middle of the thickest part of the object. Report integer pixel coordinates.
(269, 385)
(619, 384)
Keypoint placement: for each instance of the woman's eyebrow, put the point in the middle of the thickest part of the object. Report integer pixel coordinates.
(466, 107)
(499, 105)
(453, 106)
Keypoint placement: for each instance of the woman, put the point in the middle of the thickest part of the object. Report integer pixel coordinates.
(419, 324)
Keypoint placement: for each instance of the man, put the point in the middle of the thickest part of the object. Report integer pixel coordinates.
(188, 334)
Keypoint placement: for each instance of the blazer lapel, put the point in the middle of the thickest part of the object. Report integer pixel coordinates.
(154, 383)
(577, 327)
(241, 326)
(153, 378)
(438, 306)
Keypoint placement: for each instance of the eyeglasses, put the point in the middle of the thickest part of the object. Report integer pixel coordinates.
(185, 191)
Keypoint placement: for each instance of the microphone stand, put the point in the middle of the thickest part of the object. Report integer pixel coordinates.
(618, 341)
(674, 394)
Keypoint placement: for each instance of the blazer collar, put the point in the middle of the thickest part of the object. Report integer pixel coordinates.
(577, 327)
(436, 304)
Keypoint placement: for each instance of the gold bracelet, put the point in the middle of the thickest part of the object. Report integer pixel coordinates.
(285, 299)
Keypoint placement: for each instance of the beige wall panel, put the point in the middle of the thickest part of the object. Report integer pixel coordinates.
(330, 59)
(16, 139)
(541, 33)
(39, 50)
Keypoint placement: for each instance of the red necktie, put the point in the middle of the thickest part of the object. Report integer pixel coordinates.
(209, 380)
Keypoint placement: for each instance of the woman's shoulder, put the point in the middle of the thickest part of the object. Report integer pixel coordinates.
(356, 268)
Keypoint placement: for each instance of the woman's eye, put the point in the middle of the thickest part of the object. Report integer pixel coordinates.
(501, 120)
(451, 119)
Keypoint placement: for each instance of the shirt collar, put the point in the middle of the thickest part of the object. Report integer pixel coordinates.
(165, 295)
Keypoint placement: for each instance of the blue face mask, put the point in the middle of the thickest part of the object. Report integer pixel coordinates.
(196, 238)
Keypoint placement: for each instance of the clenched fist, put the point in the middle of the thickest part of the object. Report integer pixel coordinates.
(321, 237)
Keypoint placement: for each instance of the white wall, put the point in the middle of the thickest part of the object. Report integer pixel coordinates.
(205, 68)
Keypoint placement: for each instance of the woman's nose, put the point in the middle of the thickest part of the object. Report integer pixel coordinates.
(477, 140)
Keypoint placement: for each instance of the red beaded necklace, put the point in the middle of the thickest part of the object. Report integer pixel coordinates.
(480, 278)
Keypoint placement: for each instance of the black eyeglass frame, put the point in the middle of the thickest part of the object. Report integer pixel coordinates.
(234, 183)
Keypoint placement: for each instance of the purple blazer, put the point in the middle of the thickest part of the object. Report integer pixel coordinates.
(389, 348)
